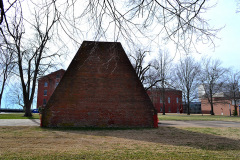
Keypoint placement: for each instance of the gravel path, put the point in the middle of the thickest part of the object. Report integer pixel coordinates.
(199, 124)
(19, 122)
(36, 122)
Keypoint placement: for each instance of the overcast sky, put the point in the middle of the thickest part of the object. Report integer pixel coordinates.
(228, 46)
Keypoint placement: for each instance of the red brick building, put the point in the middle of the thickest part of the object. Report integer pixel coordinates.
(47, 85)
(221, 106)
(173, 100)
(100, 88)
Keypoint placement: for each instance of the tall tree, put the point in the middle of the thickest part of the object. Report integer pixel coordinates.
(29, 37)
(187, 73)
(232, 85)
(163, 65)
(212, 79)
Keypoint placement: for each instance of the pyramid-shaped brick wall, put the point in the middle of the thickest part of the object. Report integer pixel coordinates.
(99, 89)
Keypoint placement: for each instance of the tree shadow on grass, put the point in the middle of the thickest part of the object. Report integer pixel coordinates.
(166, 135)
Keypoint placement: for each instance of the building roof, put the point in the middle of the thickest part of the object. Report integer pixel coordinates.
(52, 73)
(166, 89)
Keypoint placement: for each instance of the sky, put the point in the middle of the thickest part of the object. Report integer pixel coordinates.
(227, 47)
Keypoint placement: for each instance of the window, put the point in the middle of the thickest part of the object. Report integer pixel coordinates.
(45, 84)
(45, 92)
(169, 100)
(160, 109)
(58, 76)
(44, 102)
(177, 99)
(56, 84)
(169, 109)
(160, 99)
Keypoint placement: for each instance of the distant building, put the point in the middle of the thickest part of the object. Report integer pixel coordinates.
(173, 100)
(223, 104)
(47, 85)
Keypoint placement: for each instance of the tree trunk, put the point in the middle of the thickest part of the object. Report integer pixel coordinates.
(188, 108)
(163, 99)
(235, 110)
(212, 112)
(0, 101)
(188, 104)
(163, 113)
(211, 101)
(28, 112)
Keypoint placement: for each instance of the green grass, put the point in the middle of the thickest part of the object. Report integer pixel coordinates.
(162, 143)
(184, 117)
(18, 116)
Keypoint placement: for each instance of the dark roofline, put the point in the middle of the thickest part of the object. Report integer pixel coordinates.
(166, 89)
(51, 74)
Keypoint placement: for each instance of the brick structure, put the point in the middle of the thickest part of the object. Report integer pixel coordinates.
(220, 107)
(100, 89)
(173, 100)
(47, 85)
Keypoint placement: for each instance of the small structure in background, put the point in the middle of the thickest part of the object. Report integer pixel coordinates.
(47, 85)
(100, 89)
(195, 108)
(173, 100)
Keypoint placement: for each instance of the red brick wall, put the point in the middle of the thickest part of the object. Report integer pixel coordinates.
(220, 106)
(99, 89)
(51, 80)
(173, 106)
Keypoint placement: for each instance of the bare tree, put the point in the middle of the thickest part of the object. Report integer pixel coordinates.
(187, 73)
(233, 88)
(139, 64)
(2, 11)
(163, 64)
(212, 79)
(178, 21)
(152, 79)
(6, 64)
(31, 51)
(146, 72)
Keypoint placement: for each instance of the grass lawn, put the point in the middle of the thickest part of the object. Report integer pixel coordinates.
(18, 116)
(162, 143)
(198, 117)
